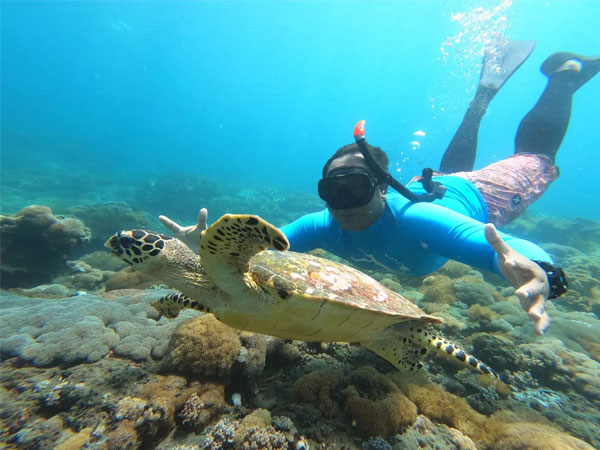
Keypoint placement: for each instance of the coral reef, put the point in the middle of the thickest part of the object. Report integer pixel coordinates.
(83, 328)
(86, 371)
(536, 437)
(202, 407)
(128, 279)
(103, 260)
(455, 269)
(580, 233)
(35, 244)
(425, 434)
(203, 347)
(104, 219)
(221, 435)
(438, 289)
(498, 351)
(376, 443)
(171, 194)
(267, 438)
(374, 404)
(498, 431)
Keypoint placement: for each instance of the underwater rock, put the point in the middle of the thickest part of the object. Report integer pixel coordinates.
(472, 293)
(498, 351)
(83, 277)
(54, 290)
(35, 244)
(559, 367)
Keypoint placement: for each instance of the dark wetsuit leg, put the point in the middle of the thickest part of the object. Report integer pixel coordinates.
(543, 129)
(500, 61)
(462, 150)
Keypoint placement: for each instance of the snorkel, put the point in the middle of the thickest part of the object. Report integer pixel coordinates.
(434, 189)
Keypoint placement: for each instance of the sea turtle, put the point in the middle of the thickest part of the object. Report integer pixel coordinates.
(282, 293)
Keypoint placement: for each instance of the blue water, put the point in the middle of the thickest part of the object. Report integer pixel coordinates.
(265, 92)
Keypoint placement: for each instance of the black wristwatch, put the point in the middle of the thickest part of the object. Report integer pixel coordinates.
(556, 279)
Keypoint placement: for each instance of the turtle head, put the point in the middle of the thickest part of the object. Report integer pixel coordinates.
(147, 250)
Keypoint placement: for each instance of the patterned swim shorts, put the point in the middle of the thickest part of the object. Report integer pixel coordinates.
(509, 186)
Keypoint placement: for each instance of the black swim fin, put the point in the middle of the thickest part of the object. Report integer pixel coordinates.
(581, 69)
(501, 61)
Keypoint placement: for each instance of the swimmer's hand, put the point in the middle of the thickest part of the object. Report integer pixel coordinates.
(190, 235)
(529, 279)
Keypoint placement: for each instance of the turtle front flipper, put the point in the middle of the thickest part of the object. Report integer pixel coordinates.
(171, 305)
(406, 344)
(227, 246)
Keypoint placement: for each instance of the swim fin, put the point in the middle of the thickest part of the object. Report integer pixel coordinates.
(580, 68)
(500, 62)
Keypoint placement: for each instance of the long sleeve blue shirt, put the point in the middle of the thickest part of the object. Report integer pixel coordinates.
(413, 238)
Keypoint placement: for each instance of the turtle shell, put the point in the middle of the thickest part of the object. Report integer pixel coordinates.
(291, 274)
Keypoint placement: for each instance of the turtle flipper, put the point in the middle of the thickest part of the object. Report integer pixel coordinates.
(171, 305)
(229, 243)
(412, 342)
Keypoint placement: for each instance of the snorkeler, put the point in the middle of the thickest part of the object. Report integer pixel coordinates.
(444, 217)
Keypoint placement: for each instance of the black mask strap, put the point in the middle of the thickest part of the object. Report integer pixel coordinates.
(434, 189)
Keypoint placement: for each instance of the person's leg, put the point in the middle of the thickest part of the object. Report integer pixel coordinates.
(542, 130)
(499, 63)
(509, 186)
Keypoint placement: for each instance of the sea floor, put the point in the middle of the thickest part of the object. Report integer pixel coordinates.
(87, 362)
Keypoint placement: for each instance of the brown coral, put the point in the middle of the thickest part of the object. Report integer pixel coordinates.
(128, 279)
(203, 347)
(376, 404)
(317, 388)
(489, 432)
(438, 289)
(535, 436)
(454, 269)
(440, 406)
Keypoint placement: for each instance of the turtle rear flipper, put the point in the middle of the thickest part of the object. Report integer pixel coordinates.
(228, 244)
(412, 342)
(171, 305)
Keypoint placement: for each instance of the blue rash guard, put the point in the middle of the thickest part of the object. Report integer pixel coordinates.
(413, 238)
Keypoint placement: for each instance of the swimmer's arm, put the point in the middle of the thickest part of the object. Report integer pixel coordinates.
(309, 232)
(463, 239)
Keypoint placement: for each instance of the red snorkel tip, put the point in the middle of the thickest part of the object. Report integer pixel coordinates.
(359, 130)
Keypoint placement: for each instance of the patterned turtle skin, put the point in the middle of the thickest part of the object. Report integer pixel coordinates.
(246, 285)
